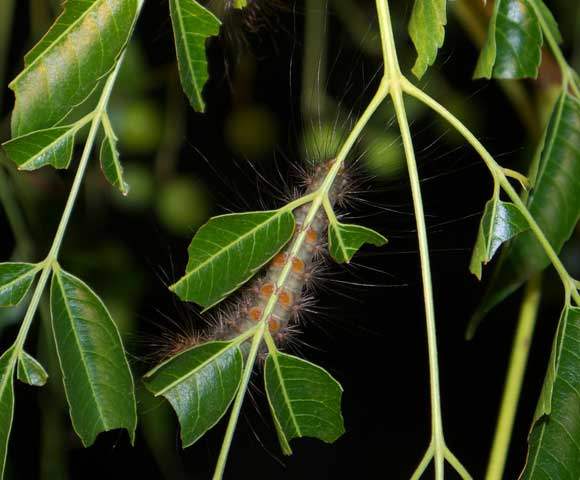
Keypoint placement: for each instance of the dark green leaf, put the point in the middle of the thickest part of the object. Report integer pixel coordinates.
(427, 30)
(192, 25)
(97, 378)
(345, 240)
(64, 67)
(31, 371)
(304, 400)
(15, 280)
(513, 48)
(554, 203)
(554, 446)
(500, 222)
(200, 383)
(228, 250)
(109, 156)
(6, 403)
(52, 146)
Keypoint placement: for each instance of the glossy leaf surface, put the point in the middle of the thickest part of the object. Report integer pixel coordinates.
(427, 30)
(97, 378)
(304, 400)
(513, 48)
(52, 146)
(109, 158)
(15, 281)
(64, 67)
(228, 250)
(30, 370)
(200, 383)
(500, 222)
(345, 240)
(6, 404)
(554, 449)
(192, 25)
(554, 203)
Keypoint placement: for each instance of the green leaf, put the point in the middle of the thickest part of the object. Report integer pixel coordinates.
(554, 203)
(554, 448)
(52, 146)
(62, 70)
(545, 14)
(345, 240)
(97, 378)
(109, 157)
(200, 383)
(513, 48)
(304, 400)
(228, 250)
(15, 280)
(192, 25)
(427, 30)
(30, 370)
(500, 222)
(6, 404)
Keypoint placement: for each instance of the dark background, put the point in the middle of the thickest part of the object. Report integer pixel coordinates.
(368, 329)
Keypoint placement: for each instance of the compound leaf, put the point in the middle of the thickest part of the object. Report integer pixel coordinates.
(554, 449)
(6, 404)
(62, 70)
(345, 240)
(228, 250)
(30, 370)
(15, 281)
(427, 30)
(304, 400)
(192, 25)
(97, 379)
(200, 383)
(109, 158)
(513, 48)
(554, 203)
(500, 222)
(51, 146)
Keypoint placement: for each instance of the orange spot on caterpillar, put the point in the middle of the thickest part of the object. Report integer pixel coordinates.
(280, 260)
(285, 299)
(311, 236)
(273, 325)
(297, 265)
(267, 289)
(255, 313)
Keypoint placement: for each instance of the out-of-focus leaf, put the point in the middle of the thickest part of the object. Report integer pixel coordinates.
(554, 449)
(345, 240)
(554, 203)
(6, 404)
(97, 378)
(52, 146)
(15, 280)
(228, 250)
(64, 67)
(513, 48)
(109, 157)
(304, 400)
(500, 222)
(200, 383)
(427, 30)
(31, 371)
(192, 25)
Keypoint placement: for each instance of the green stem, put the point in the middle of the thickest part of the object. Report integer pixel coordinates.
(231, 428)
(51, 258)
(393, 71)
(498, 176)
(514, 379)
(313, 97)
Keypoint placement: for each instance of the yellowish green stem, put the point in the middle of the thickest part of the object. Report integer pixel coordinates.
(514, 379)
